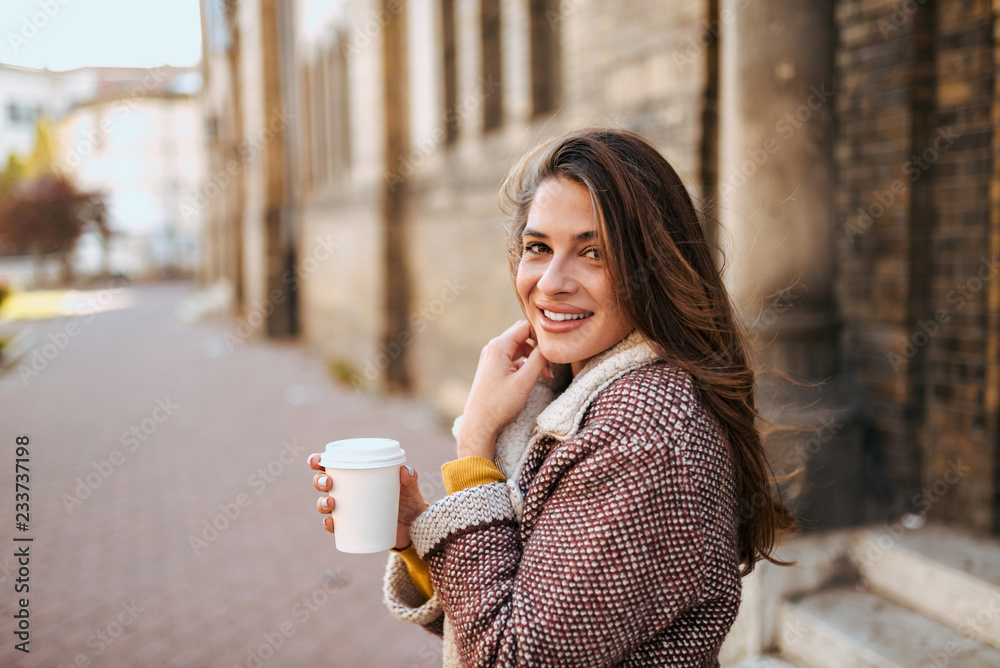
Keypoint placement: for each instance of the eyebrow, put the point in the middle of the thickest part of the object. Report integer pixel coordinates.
(582, 236)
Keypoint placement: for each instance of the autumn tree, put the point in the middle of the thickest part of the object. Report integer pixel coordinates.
(48, 216)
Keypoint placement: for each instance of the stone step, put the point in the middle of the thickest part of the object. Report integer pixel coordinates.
(944, 574)
(849, 627)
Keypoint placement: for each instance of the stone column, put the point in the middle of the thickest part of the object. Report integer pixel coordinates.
(777, 226)
(234, 236)
(393, 209)
(776, 185)
(280, 296)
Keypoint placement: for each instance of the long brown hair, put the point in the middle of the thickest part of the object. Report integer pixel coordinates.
(670, 290)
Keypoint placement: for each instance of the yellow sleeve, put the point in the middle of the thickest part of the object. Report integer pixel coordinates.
(420, 575)
(468, 472)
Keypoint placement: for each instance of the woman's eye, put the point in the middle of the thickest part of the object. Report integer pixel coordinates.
(593, 253)
(534, 247)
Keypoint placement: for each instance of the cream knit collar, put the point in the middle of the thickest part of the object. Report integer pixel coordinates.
(562, 418)
(548, 414)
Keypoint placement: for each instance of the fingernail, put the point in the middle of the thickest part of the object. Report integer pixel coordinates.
(408, 468)
(309, 459)
(325, 502)
(322, 481)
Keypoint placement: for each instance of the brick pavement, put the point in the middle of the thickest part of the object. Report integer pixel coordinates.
(115, 580)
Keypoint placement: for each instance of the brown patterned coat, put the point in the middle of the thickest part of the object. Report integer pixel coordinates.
(613, 542)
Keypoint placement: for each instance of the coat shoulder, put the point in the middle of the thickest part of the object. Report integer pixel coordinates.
(659, 395)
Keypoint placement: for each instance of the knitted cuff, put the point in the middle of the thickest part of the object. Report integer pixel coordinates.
(402, 598)
(475, 506)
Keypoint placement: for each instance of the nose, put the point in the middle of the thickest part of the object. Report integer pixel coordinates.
(559, 277)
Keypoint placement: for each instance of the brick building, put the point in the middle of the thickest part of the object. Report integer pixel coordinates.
(844, 153)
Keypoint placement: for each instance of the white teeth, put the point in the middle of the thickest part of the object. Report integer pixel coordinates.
(559, 317)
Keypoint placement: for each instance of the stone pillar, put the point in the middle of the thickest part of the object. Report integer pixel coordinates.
(393, 209)
(280, 301)
(776, 184)
(232, 240)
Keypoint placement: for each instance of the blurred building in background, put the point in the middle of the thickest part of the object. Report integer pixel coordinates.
(356, 150)
(251, 189)
(28, 96)
(135, 134)
(845, 153)
(139, 138)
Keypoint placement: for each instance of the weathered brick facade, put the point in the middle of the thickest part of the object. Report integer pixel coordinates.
(961, 420)
(916, 195)
(622, 72)
(916, 156)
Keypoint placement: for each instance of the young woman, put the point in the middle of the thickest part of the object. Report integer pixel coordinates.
(630, 490)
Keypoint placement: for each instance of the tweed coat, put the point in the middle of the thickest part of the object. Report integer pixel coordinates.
(612, 542)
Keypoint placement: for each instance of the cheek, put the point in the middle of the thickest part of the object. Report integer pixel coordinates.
(608, 299)
(603, 293)
(524, 281)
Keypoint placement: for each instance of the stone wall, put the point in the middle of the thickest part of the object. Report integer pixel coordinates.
(916, 221)
(458, 273)
(961, 396)
(917, 277)
(883, 108)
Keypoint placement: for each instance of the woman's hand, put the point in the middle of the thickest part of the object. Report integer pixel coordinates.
(411, 501)
(501, 386)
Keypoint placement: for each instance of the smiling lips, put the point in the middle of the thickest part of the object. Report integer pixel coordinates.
(559, 317)
(558, 322)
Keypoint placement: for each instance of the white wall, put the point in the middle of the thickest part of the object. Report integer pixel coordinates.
(27, 93)
(148, 155)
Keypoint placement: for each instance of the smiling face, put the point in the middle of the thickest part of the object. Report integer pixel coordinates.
(561, 277)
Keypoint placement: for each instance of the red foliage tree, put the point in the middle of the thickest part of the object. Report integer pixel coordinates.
(48, 216)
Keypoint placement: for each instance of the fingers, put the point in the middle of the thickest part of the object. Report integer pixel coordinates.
(324, 504)
(511, 345)
(523, 350)
(322, 482)
(519, 331)
(409, 489)
(411, 501)
(514, 338)
(407, 476)
(535, 364)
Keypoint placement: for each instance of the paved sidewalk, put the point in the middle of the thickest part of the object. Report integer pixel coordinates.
(146, 432)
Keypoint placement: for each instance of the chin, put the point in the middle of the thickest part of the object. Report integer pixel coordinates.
(557, 354)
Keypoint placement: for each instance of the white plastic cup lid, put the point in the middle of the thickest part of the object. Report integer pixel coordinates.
(362, 453)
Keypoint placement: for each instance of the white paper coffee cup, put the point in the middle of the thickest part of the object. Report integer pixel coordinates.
(365, 474)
